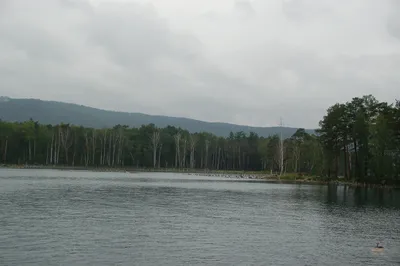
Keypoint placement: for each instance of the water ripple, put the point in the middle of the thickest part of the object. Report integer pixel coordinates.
(59, 218)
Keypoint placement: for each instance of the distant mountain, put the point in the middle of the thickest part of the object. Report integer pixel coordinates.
(51, 112)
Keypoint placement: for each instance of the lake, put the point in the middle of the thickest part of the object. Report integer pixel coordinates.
(50, 217)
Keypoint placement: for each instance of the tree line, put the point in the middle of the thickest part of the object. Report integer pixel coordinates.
(359, 140)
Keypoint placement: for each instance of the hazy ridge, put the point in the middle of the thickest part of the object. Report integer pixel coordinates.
(52, 112)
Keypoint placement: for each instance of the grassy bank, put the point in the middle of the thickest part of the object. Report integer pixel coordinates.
(298, 178)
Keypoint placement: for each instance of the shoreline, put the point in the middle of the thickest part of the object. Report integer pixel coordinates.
(259, 176)
(306, 181)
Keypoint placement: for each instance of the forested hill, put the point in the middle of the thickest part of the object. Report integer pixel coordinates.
(50, 112)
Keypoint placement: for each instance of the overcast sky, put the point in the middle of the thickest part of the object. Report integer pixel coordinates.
(248, 62)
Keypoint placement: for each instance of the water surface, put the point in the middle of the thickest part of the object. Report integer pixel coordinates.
(84, 218)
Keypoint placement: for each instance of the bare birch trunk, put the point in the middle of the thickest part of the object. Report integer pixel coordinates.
(109, 149)
(86, 149)
(159, 155)
(29, 151)
(93, 146)
(103, 148)
(34, 150)
(206, 155)
(177, 139)
(201, 159)
(183, 161)
(155, 140)
(66, 140)
(101, 152)
(119, 151)
(193, 142)
(58, 145)
(114, 145)
(219, 158)
(55, 148)
(133, 158)
(240, 161)
(47, 153)
(296, 159)
(74, 153)
(51, 148)
(113, 152)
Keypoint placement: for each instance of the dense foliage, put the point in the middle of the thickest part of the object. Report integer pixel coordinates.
(361, 140)
(358, 140)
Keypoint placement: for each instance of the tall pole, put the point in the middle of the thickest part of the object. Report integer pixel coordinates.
(281, 148)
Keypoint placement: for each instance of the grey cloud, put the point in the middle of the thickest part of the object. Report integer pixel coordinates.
(44, 36)
(134, 34)
(125, 56)
(298, 81)
(245, 8)
(393, 24)
(300, 10)
(117, 53)
(37, 43)
(82, 5)
(209, 15)
(129, 33)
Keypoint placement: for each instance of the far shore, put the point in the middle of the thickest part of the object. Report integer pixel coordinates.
(259, 176)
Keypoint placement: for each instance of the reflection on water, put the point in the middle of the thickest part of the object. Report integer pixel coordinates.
(85, 218)
(362, 197)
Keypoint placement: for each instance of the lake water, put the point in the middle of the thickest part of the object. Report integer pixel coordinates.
(84, 218)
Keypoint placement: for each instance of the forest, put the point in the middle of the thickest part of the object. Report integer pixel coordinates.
(358, 140)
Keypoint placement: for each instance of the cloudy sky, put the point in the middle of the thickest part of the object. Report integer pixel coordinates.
(241, 61)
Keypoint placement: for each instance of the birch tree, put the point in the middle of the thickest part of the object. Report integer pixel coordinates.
(87, 148)
(183, 160)
(177, 139)
(207, 144)
(66, 139)
(193, 142)
(93, 146)
(155, 140)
